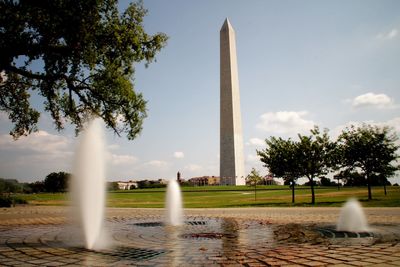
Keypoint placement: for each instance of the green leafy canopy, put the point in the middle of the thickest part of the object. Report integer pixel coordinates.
(367, 153)
(87, 49)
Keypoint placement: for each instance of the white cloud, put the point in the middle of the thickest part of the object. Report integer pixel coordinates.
(373, 100)
(193, 167)
(388, 35)
(157, 163)
(256, 142)
(196, 170)
(120, 121)
(253, 161)
(252, 158)
(113, 147)
(36, 155)
(41, 141)
(285, 122)
(393, 123)
(393, 33)
(122, 159)
(338, 129)
(179, 155)
(3, 116)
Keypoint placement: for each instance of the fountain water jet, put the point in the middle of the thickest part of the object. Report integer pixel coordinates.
(352, 217)
(88, 184)
(174, 210)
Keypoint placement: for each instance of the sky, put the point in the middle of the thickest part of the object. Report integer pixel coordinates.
(301, 63)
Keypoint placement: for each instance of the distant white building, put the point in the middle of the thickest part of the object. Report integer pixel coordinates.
(127, 185)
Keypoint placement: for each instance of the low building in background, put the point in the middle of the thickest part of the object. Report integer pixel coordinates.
(163, 181)
(269, 180)
(127, 185)
(204, 180)
(214, 180)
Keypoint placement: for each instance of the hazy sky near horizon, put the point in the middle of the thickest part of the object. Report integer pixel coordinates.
(301, 63)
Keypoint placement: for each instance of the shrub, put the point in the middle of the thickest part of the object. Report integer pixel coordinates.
(8, 201)
(5, 201)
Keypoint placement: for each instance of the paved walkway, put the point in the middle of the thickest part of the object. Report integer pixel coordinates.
(42, 236)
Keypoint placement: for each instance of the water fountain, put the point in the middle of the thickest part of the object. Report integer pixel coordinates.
(352, 217)
(174, 210)
(88, 183)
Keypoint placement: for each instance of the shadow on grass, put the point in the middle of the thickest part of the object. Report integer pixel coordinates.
(375, 202)
(380, 202)
(285, 204)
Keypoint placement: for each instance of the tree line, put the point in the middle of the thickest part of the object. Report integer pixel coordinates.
(366, 153)
(54, 182)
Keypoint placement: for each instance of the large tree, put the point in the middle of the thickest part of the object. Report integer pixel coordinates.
(314, 156)
(370, 151)
(57, 182)
(281, 157)
(78, 55)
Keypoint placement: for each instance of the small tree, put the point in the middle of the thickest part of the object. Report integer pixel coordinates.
(324, 181)
(281, 158)
(253, 179)
(337, 177)
(314, 156)
(112, 186)
(369, 151)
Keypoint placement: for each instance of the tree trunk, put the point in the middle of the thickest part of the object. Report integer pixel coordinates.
(312, 191)
(255, 191)
(292, 191)
(384, 187)
(369, 188)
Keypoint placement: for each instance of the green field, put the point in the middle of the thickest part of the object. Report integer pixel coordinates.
(230, 196)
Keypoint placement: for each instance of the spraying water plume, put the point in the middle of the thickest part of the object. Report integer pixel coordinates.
(352, 217)
(88, 184)
(174, 210)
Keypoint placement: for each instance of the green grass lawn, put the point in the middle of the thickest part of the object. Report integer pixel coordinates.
(239, 196)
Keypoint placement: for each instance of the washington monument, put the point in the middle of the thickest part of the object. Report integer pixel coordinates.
(231, 139)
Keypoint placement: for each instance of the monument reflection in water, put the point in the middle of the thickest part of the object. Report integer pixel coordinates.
(88, 184)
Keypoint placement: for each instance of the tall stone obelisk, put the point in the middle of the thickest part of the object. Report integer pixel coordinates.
(231, 139)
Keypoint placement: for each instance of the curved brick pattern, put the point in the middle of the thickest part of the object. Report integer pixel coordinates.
(139, 238)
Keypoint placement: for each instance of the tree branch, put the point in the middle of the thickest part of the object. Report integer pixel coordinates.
(26, 73)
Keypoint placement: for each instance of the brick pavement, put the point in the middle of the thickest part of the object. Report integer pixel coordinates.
(41, 236)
